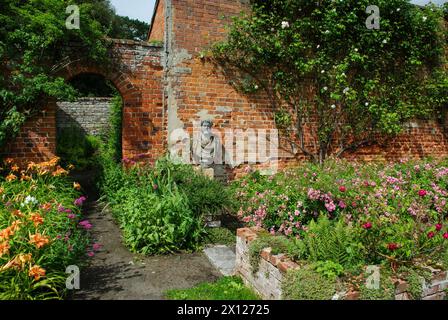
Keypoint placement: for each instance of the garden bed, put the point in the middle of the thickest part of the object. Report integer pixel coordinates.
(41, 230)
(272, 269)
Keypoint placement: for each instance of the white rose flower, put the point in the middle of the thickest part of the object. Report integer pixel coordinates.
(325, 88)
(425, 18)
(333, 106)
(346, 90)
(285, 24)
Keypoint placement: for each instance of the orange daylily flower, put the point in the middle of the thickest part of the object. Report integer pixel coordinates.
(59, 171)
(15, 168)
(43, 172)
(15, 225)
(39, 240)
(11, 177)
(46, 206)
(76, 186)
(9, 160)
(36, 272)
(55, 160)
(31, 165)
(36, 218)
(4, 248)
(18, 262)
(2, 190)
(25, 178)
(18, 213)
(5, 234)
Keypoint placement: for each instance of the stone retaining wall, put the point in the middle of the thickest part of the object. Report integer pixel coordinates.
(267, 280)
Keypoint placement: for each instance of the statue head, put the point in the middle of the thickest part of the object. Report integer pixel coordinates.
(206, 123)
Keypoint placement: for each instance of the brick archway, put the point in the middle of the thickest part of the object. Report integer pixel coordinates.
(137, 74)
(130, 94)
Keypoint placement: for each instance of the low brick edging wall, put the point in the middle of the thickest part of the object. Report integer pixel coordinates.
(267, 280)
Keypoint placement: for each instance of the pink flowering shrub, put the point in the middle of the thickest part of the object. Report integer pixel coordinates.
(399, 211)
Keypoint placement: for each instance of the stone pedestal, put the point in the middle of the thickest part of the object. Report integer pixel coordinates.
(209, 172)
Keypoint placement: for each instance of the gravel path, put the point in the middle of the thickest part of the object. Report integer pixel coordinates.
(115, 273)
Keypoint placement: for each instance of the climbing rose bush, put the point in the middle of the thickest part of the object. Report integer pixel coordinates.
(40, 232)
(399, 211)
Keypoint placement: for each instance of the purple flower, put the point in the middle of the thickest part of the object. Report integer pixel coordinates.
(71, 216)
(97, 246)
(79, 202)
(85, 224)
(91, 253)
(68, 210)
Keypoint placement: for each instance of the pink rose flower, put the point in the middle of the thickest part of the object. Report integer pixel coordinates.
(422, 193)
(367, 225)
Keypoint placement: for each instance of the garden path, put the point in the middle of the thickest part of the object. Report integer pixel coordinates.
(116, 273)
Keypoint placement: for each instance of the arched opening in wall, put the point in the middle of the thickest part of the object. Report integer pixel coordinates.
(92, 121)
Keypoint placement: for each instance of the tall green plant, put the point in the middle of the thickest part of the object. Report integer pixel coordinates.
(327, 240)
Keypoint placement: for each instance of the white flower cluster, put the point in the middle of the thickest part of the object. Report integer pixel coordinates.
(29, 200)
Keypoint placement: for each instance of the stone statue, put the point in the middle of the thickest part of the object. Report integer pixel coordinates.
(205, 145)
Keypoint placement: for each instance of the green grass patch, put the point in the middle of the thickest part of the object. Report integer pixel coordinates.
(226, 288)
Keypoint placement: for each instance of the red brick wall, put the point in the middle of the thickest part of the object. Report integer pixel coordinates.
(200, 91)
(157, 100)
(138, 78)
(37, 138)
(158, 24)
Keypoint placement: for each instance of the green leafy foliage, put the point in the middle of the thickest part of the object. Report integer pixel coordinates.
(158, 223)
(307, 284)
(326, 240)
(220, 235)
(156, 206)
(386, 290)
(320, 60)
(278, 244)
(76, 148)
(112, 135)
(226, 288)
(329, 269)
(34, 44)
